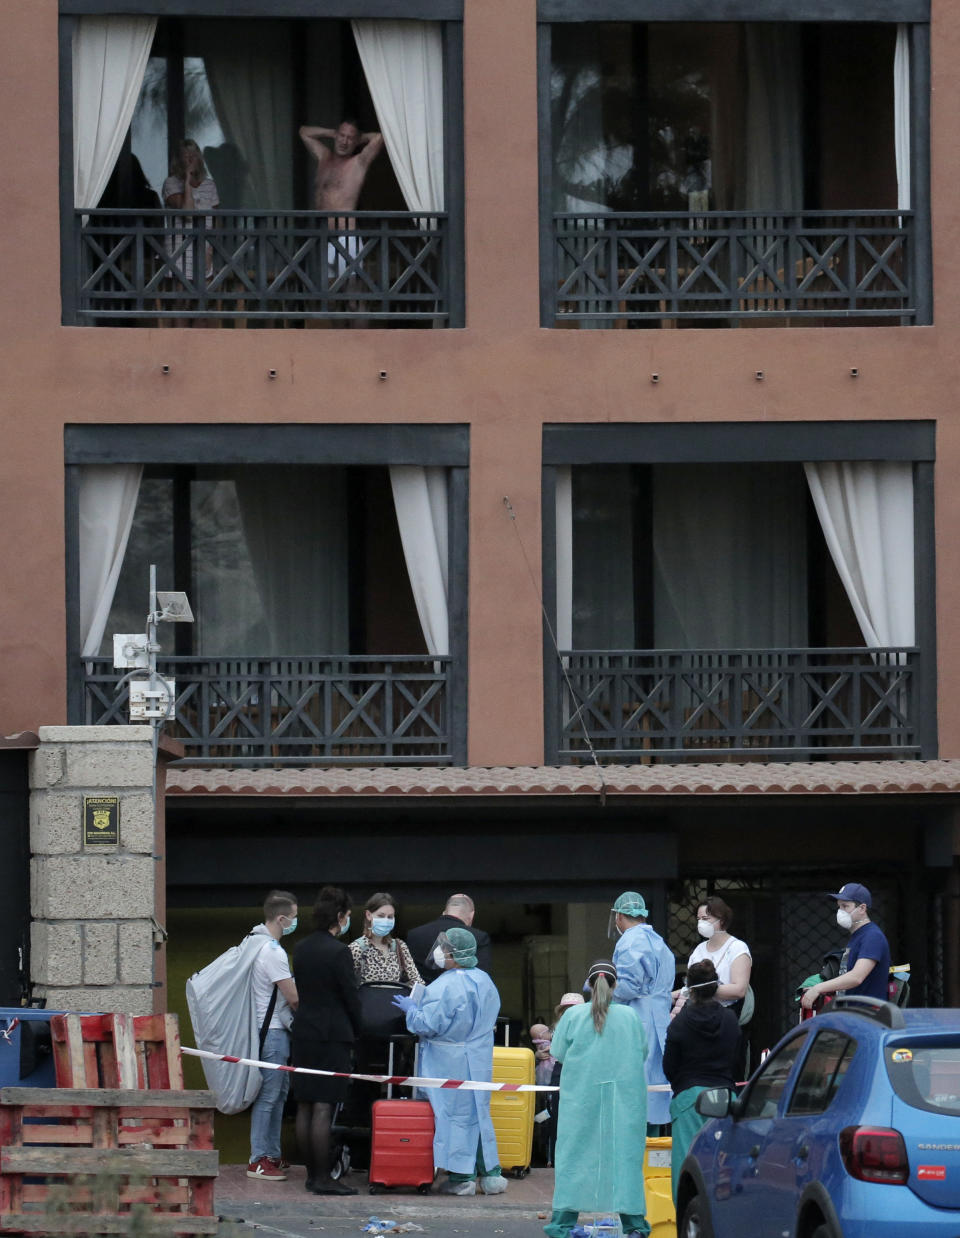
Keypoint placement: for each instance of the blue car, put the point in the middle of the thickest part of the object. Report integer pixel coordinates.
(849, 1129)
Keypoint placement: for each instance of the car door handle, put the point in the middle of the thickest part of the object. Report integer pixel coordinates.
(803, 1152)
(754, 1151)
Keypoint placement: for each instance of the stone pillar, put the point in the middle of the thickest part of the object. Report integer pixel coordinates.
(94, 932)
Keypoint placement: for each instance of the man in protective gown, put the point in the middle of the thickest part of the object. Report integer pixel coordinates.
(602, 1128)
(646, 971)
(455, 1022)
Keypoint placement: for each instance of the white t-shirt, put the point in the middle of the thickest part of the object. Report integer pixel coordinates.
(270, 966)
(722, 959)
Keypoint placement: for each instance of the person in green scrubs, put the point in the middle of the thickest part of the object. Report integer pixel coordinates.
(703, 1041)
(601, 1134)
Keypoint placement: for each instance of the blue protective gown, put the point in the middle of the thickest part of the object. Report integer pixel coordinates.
(602, 1128)
(455, 1023)
(646, 970)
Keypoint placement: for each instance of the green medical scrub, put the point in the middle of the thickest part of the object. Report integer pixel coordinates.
(601, 1135)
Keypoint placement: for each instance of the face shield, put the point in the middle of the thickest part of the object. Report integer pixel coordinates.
(458, 944)
(440, 951)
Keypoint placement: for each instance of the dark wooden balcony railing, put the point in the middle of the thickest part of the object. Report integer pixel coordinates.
(258, 266)
(275, 711)
(656, 269)
(708, 705)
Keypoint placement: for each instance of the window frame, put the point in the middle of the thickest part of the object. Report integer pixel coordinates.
(797, 1045)
(844, 1060)
(191, 444)
(578, 443)
(915, 14)
(448, 12)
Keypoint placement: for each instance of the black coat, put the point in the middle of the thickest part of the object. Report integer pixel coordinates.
(420, 940)
(329, 1008)
(701, 1049)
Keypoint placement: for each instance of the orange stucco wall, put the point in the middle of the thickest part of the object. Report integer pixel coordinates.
(503, 375)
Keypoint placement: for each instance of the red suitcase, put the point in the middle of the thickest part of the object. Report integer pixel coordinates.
(401, 1145)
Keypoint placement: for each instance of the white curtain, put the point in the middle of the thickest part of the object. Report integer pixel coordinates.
(248, 69)
(564, 506)
(403, 64)
(295, 524)
(866, 512)
(108, 499)
(109, 60)
(774, 174)
(420, 499)
(729, 556)
(901, 115)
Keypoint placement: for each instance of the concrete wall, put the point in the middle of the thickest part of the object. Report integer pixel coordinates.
(93, 906)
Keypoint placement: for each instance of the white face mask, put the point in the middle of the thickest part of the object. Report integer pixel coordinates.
(706, 928)
(439, 959)
(844, 918)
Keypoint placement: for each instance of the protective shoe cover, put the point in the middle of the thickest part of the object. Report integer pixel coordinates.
(493, 1184)
(458, 1188)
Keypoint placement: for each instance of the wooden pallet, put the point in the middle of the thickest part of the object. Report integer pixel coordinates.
(80, 1160)
(116, 1051)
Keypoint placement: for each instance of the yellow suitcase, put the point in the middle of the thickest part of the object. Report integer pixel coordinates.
(512, 1112)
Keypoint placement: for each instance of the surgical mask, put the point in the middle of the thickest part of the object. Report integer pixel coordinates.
(844, 919)
(706, 928)
(346, 927)
(382, 927)
(439, 959)
(291, 927)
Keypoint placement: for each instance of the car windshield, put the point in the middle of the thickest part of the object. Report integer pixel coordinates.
(926, 1076)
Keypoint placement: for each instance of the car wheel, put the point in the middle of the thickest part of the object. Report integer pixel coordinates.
(696, 1220)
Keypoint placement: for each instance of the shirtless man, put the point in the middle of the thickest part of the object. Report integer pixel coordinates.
(341, 171)
(336, 187)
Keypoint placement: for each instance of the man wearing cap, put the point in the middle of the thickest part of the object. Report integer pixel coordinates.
(646, 971)
(455, 1021)
(865, 966)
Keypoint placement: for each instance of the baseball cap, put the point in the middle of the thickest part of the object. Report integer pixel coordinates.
(852, 892)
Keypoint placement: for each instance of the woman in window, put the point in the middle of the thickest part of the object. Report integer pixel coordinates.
(189, 187)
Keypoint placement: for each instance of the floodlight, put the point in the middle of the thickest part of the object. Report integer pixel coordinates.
(173, 607)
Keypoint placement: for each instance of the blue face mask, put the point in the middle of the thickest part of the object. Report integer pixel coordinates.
(382, 927)
(291, 927)
(346, 927)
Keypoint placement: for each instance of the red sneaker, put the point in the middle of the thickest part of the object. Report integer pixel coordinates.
(266, 1169)
(281, 1164)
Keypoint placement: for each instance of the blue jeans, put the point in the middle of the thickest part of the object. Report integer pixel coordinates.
(266, 1113)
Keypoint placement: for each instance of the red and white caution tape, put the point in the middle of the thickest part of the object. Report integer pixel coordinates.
(412, 1081)
(6, 1033)
(409, 1081)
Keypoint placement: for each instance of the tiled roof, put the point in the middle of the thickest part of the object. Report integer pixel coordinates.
(772, 778)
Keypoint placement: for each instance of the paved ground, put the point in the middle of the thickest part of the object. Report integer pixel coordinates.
(286, 1210)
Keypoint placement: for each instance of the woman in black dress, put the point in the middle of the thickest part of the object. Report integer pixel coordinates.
(324, 1031)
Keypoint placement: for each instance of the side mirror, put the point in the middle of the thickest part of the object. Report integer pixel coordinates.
(713, 1103)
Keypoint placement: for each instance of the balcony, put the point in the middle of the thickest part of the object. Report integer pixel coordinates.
(732, 268)
(651, 706)
(259, 268)
(295, 711)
